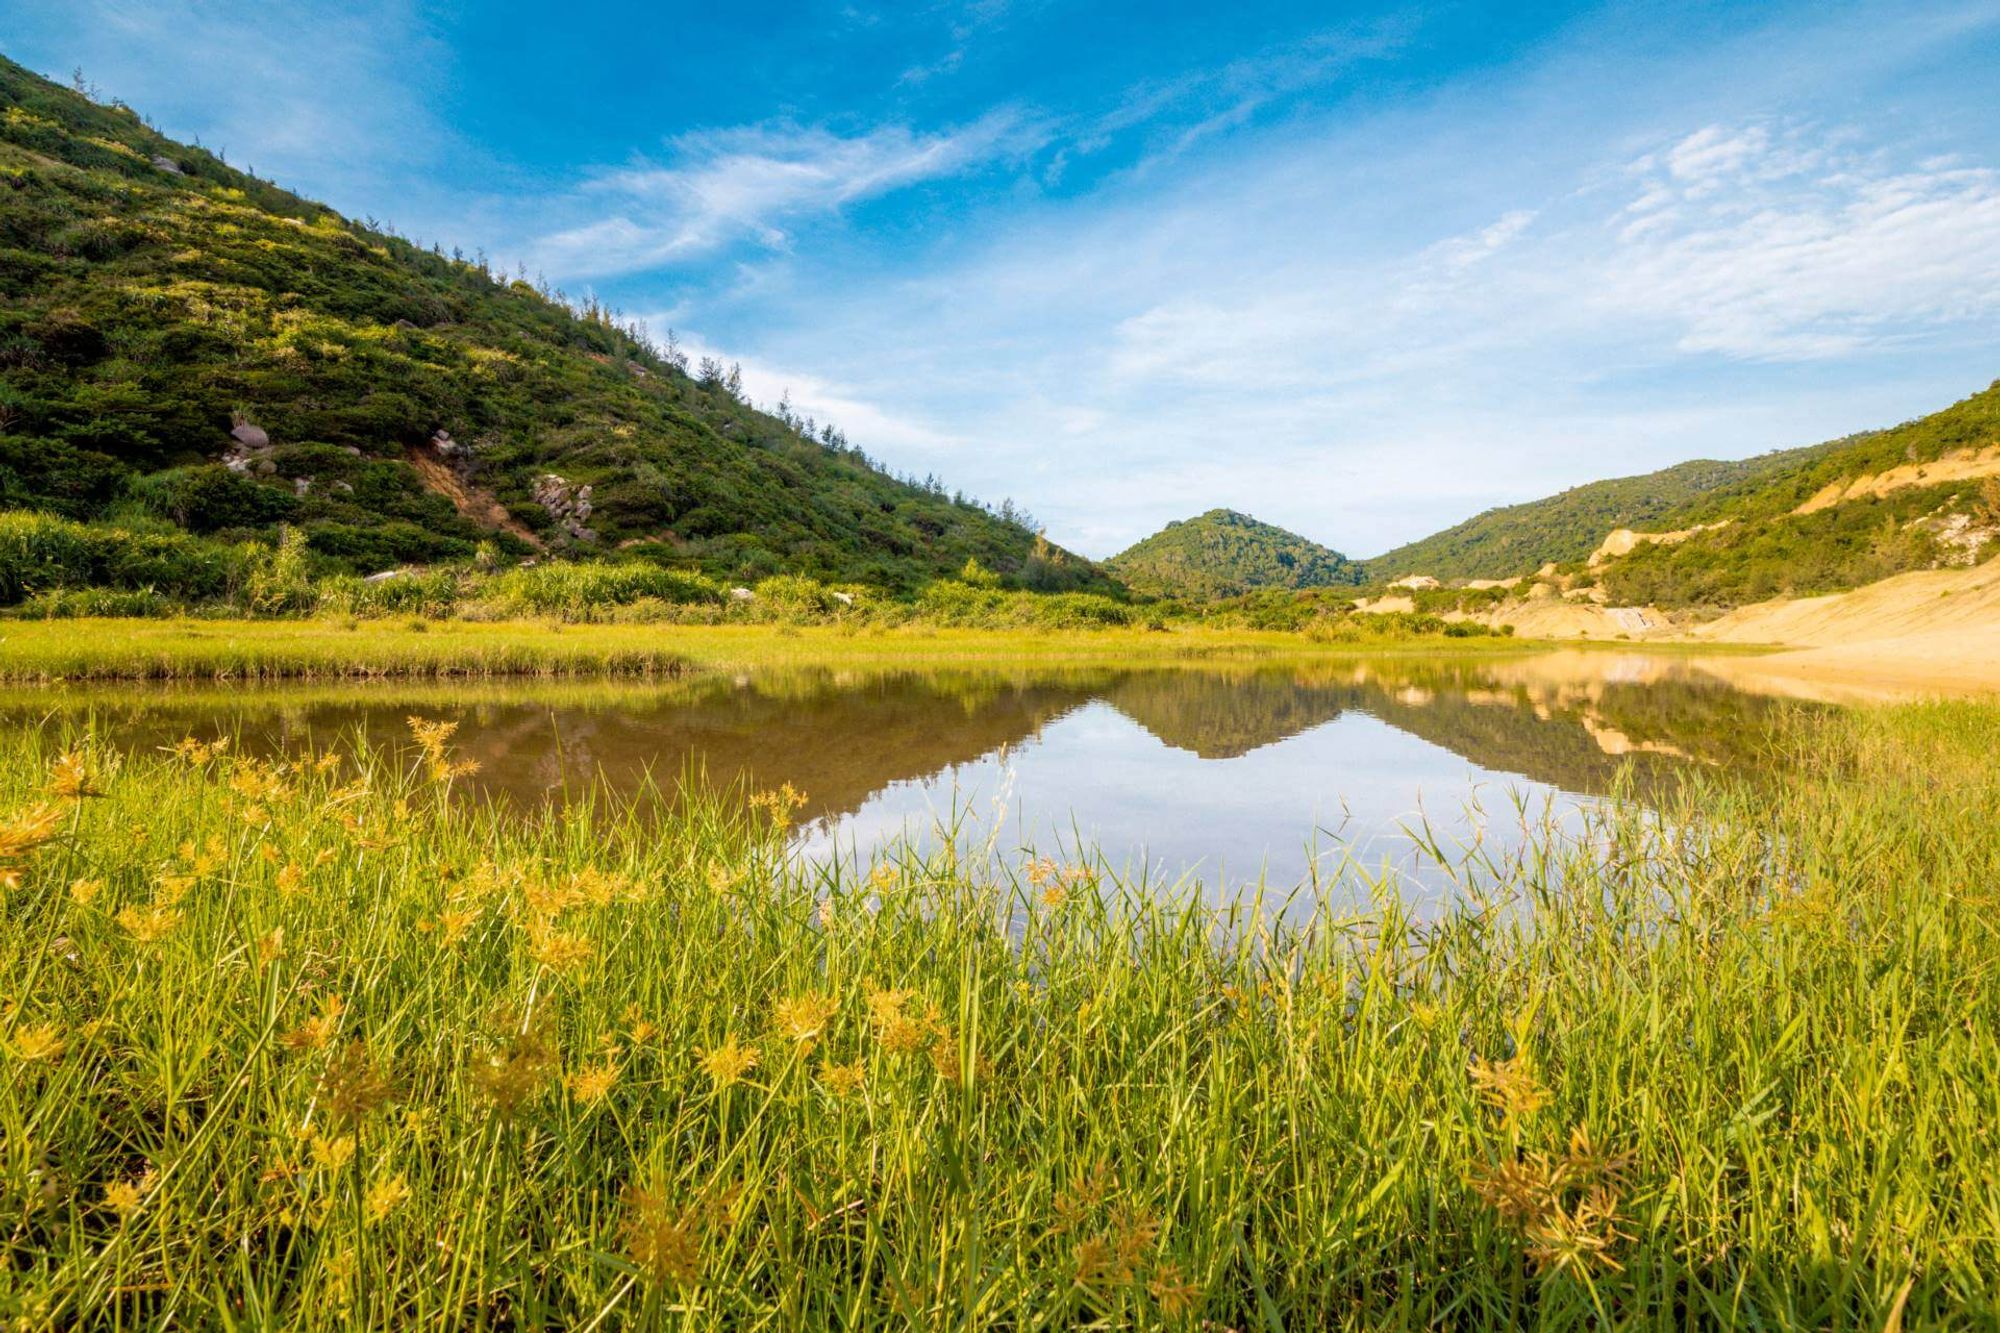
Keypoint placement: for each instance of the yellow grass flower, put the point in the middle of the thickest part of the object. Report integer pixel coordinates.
(516, 1073)
(637, 1026)
(318, 1030)
(124, 1197)
(1173, 1292)
(433, 738)
(74, 776)
(593, 1083)
(1510, 1086)
(84, 892)
(728, 1063)
(802, 1018)
(385, 1196)
(842, 1081)
(331, 1154)
(452, 925)
(354, 1085)
(149, 925)
(662, 1242)
(43, 1042)
(21, 835)
(559, 951)
(779, 804)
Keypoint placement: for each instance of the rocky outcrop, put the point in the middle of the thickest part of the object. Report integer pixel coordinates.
(248, 453)
(568, 505)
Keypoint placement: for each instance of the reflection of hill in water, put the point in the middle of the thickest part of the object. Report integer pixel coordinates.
(1571, 731)
(841, 737)
(1220, 715)
(836, 737)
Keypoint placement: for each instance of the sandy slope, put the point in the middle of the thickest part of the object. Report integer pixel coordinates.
(1934, 630)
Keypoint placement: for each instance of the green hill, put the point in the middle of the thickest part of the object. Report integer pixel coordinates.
(1757, 543)
(1566, 528)
(1938, 506)
(395, 402)
(1225, 554)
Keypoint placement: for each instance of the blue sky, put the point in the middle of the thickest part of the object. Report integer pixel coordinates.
(1360, 270)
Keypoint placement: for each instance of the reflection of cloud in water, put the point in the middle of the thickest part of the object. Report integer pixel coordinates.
(1343, 793)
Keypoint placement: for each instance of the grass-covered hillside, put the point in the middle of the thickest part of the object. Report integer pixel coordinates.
(1799, 522)
(397, 403)
(1566, 528)
(1921, 504)
(1225, 554)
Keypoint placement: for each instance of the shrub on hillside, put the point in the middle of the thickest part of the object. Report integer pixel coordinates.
(433, 593)
(579, 590)
(73, 603)
(42, 553)
(791, 596)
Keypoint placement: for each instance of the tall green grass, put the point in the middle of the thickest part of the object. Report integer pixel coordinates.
(320, 1045)
(194, 649)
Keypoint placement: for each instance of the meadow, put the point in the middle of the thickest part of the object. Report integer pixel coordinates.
(320, 1042)
(183, 648)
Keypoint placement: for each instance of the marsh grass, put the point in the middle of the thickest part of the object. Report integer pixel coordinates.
(106, 649)
(320, 1044)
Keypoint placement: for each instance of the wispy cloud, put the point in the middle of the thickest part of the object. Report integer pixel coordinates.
(1793, 246)
(755, 182)
(827, 402)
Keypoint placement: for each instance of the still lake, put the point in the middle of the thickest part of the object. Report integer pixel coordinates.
(1288, 775)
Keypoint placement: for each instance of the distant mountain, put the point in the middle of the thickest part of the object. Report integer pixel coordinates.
(183, 343)
(1566, 528)
(1225, 554)
(1798, 522)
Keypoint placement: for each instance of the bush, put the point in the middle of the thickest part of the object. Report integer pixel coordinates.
(42, 553)
(280, 582)
(71, 603)
(578, 590)
(209, 498)
(433, 593)
(794, 597)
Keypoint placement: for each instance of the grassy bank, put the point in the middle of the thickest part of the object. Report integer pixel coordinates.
(300, 1046)
(145, 649)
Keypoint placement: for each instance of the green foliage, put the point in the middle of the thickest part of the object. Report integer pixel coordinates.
(584, 590)
(42, 553)
(78, 603)
(951, 602)
(280, 581)
(144, 311)
(1225, 554)
(433, 593)
(788, 595)
(1564, 529)
(1794, 555)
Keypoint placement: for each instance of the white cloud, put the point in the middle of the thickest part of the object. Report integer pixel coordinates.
(827, 402)
(752, 182)
(1771, 248)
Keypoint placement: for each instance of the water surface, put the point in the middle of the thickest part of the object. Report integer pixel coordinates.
(1286, 775)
